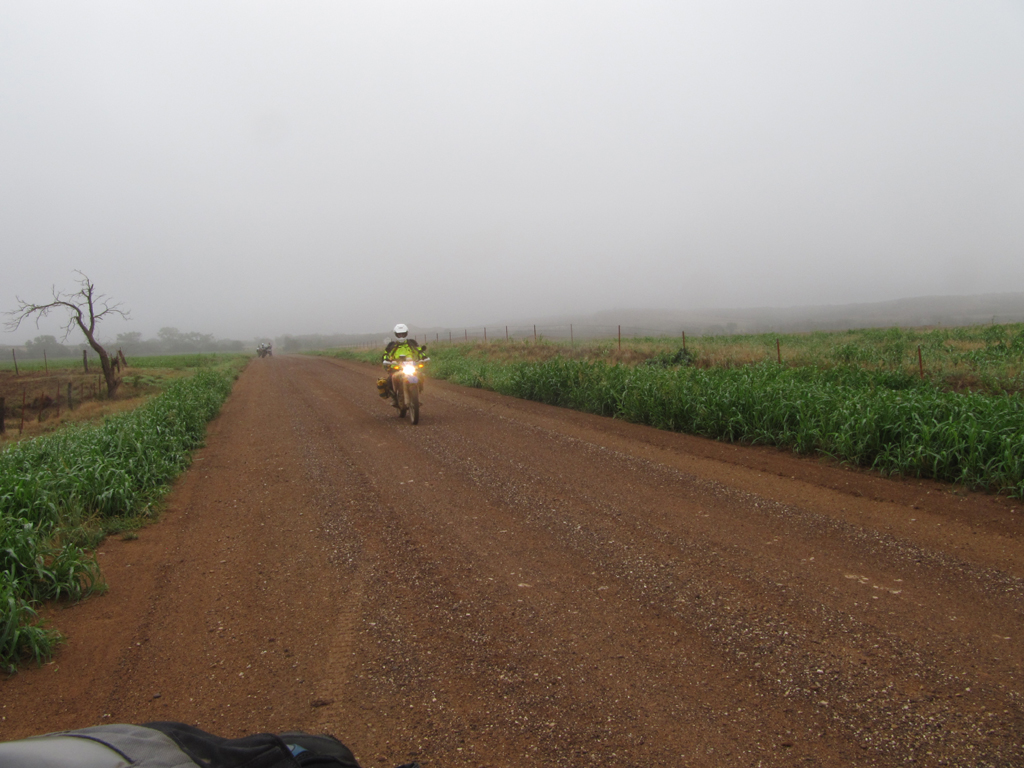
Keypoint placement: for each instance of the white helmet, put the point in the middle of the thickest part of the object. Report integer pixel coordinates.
(401, 330)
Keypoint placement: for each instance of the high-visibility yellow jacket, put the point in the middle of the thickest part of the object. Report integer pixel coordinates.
(399, 347)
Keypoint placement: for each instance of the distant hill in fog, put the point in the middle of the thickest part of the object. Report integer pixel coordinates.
(913, 312)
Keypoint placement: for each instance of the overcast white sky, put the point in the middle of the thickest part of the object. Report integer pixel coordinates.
(262, 168)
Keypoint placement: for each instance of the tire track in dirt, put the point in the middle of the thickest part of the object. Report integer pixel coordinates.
(336, 487)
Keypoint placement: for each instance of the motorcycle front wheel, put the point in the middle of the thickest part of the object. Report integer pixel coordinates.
(399, 396)
(412, 399)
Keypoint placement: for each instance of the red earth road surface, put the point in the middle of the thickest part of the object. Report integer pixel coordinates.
(512, 584)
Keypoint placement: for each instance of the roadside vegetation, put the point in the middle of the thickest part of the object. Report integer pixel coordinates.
(62, 493)
(37, 402)
(952, 411)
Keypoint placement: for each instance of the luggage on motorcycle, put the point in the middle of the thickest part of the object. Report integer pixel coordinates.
(174, 745)
(382, 387)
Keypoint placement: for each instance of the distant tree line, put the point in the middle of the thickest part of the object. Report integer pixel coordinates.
(169, 341)
(52, 348)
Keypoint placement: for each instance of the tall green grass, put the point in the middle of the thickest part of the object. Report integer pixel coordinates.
(887, 421)
(60, 493)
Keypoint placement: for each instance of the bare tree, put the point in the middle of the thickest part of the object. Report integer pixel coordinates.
(85, 308)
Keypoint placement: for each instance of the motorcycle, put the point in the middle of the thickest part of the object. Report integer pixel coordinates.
(406, 385)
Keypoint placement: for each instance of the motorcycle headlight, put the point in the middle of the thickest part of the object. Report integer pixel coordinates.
(408, 368)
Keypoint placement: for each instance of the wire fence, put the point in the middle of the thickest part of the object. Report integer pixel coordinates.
(44, 398)
(526, 333)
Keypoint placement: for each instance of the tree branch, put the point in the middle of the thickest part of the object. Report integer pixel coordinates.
(79, 304)
(84, 308)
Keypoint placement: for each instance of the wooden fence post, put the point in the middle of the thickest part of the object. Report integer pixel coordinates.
(534, 333)
(485, 334)
(15, 361)
(506, 333)
(46, 364)
(85, 360)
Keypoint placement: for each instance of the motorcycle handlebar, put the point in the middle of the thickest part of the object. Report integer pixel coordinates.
(399, 363)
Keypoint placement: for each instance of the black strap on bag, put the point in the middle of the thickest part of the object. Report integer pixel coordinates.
(261, 750)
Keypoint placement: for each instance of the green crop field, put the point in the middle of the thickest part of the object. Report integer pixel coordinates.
(54, 364)
(944, 404)
(61, 493)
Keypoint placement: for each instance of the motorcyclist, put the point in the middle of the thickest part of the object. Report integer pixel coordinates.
(400, 346)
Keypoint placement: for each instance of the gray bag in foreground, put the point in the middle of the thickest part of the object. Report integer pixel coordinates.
(105, 746)
(173, 745)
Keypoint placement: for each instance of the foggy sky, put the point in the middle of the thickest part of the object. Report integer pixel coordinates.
(262, 168)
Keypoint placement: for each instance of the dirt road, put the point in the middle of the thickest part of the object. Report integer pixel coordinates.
(510, 584)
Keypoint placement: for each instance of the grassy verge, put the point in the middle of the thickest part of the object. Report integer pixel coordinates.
(857, 396)
(61, 494)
